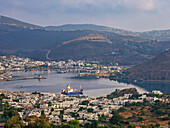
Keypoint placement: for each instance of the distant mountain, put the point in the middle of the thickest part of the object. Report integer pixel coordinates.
(6, 22)
(75, 27)
(105, 47)
(136, 59)
(33, 39)
(162, 35)
(157, 68)
(27, 40)
(17, 35)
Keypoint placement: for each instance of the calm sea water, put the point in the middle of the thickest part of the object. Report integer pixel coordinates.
(56, 82)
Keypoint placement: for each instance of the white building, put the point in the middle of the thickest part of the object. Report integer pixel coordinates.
(157, 92)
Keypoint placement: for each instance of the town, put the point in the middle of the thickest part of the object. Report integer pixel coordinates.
(61, 109)
(82, 68)
(122, 108)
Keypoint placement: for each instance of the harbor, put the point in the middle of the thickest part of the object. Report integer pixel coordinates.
(25, 78)
(55, 82)
(7, 76)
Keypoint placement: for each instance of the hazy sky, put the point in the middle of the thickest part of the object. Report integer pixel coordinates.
(136, 15)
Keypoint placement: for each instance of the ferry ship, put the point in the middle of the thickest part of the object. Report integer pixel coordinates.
(70, 91)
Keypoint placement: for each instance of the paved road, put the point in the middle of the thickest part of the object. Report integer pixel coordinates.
(48, 54)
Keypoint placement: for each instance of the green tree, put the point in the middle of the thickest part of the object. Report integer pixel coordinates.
(131, 126)
(49, 104)
(74, 123)
(94, 124)
(87, 125)
(90, 110)
(68, 126)
(135, 96)
(10, 113)
(140, 118)
(81, 108)
(74, 114)
(14, 122)
(116, 119)
(159, 112)
(122, 109)
(85, 102)
(114, 112)
(42, 113)
(38, 122)
(157, 125)
(151, 126)
(52, 109)
(16, 126)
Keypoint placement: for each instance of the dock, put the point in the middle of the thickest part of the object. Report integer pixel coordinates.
(25, 78)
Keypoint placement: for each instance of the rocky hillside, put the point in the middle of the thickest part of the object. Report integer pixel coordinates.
(118, 93)
(104, 47)
(103, 44)
(157, 68)
(75, 27)
(162, 35)
(7, 23)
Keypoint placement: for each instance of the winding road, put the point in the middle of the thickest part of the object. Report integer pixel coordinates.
(48, 54)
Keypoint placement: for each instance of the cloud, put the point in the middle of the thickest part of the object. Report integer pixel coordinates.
(143, 5)
(79, 6)
(128, 14)
(93, 3)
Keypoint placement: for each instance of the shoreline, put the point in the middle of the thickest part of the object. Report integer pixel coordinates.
(98, 76)
(56, 76)
(25, 78)
(164, 81)
(136, 81)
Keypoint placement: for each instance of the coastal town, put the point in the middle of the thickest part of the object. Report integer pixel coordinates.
(84, 64)
(61, 108)
(121, 108)
(82, 68)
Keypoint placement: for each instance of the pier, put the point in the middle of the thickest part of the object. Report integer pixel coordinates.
(25, 78)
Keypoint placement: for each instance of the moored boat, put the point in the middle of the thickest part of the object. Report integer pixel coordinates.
(70, 91)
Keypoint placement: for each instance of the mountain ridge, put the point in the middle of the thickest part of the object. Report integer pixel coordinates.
(153, 70)
(27, 40)
(74, 27)
(162, 35)
(13, 22)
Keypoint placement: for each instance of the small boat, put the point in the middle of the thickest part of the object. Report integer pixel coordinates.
(70, 91)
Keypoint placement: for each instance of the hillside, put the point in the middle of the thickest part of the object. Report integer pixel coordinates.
(27, 40)
(10, 24)
(75, 27)
(157, 68)
(162, 35)
(106, 48)
(118, 93)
